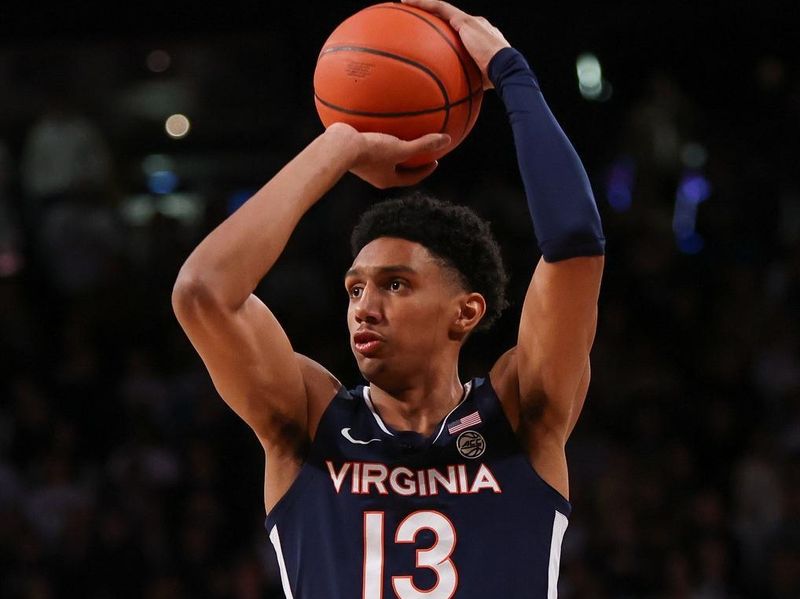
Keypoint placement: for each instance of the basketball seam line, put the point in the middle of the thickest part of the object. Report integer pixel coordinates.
(452, 47)
(408, 61)
(394, 114)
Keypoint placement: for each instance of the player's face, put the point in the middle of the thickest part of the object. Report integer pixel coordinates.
(402, 303)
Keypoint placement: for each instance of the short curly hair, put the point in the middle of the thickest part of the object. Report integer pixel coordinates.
(455, 235)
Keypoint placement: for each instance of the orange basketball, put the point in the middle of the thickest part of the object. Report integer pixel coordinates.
(396, 69)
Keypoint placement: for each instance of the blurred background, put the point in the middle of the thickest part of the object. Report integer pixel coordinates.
(127, 133)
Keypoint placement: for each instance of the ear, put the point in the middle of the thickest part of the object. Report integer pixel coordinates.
(470, 310)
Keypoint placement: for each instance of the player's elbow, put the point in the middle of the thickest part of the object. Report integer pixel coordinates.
(192, 296)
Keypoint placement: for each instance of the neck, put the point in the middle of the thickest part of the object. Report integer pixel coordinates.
(418, 407)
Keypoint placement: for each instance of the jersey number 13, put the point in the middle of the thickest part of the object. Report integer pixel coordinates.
(436, 557)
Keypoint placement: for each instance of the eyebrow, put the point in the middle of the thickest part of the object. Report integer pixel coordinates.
(393, 268)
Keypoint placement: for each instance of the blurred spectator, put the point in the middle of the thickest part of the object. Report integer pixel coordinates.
(64, 152)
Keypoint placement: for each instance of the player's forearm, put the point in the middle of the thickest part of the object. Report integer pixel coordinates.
(565, 216)
(236, 255)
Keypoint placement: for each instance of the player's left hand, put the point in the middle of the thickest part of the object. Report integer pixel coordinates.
(481, 39)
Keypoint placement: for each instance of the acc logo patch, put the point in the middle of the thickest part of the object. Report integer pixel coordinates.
(471, 444)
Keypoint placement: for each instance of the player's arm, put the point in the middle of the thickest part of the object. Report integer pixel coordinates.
(247, 353)
(559, 315)
(543, 380)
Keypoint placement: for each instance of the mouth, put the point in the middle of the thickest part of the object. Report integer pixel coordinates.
(367, 343)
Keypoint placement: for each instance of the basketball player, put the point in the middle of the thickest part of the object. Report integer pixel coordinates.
(416, 484)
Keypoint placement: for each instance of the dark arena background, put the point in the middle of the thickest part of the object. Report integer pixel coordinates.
(122, 474)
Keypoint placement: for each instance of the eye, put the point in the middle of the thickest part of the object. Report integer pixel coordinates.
(396, 285)
(355, 291)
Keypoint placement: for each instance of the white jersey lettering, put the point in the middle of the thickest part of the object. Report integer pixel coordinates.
(338, 478)
(404, 487)
(484, 480)
(449, 482)
(454, 479)
(374, 474)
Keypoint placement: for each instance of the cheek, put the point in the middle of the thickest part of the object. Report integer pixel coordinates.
(425, 320)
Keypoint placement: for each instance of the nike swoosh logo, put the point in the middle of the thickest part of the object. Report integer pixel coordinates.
(346, 435)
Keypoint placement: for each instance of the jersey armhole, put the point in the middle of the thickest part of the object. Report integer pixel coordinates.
(295, 490)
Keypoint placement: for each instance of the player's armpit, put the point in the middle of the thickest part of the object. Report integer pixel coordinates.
(557, 329)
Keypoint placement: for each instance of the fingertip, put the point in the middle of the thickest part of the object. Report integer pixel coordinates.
(426, 170)
(436, 141)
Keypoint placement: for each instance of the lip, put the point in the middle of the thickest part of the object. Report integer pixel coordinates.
(367, 343)
(365, 336)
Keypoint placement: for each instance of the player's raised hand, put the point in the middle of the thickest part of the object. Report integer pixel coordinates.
(481, 39)
(376, 157)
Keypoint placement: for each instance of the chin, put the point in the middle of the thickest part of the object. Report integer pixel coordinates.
(369, 367)
(380, 375)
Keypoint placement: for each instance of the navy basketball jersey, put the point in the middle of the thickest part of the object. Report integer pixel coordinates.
(377, 513)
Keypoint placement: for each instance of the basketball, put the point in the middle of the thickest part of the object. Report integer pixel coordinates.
(397, 69)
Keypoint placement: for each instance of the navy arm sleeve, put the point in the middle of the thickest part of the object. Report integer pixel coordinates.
(562, 206)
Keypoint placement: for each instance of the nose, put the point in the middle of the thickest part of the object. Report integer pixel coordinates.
(367, 308)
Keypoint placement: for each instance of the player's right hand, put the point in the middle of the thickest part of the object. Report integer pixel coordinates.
(377, 157)
(481, 39)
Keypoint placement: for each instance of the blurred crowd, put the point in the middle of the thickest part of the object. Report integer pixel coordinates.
(122, 473)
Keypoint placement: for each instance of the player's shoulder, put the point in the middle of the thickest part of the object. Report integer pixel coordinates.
(321, 387)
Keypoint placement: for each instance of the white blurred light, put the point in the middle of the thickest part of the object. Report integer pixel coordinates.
(138, 209)
(590, 78)
(158, 61)
(589, 72)
(177, 126)
(182, 206)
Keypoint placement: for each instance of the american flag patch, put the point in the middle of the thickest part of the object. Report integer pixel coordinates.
(465, 422)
